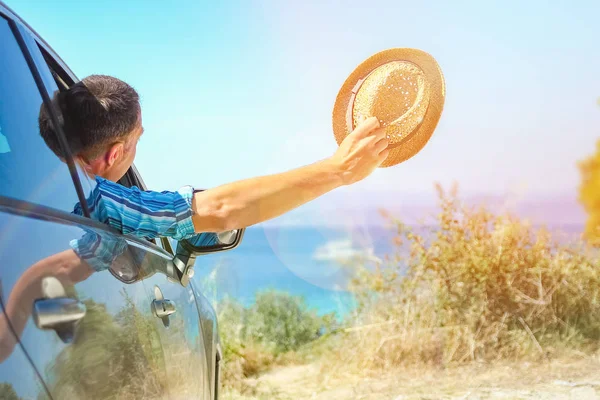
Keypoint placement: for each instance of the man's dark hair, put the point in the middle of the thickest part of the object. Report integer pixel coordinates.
(95, 112)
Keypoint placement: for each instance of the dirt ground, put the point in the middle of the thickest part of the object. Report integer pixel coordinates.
(578, 380)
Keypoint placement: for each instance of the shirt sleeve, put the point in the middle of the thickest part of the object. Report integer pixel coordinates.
(145, 214)
(98, 249)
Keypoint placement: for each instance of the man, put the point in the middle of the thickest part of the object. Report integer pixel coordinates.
(102, 120)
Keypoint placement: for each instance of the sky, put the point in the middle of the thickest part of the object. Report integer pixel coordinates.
(236, 89)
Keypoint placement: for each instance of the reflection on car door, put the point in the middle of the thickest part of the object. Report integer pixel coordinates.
(111, 350)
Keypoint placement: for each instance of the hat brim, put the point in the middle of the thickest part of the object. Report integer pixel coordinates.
(412, 144)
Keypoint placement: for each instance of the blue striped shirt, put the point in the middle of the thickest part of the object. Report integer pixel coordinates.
(145, 214)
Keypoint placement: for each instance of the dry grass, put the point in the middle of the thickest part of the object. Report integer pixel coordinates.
(474, 291)
(476, 287)
(559, 379)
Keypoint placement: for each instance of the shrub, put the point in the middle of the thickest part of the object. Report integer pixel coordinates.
(282, 321)
(264, 334)
(589, 194)
(475, 286)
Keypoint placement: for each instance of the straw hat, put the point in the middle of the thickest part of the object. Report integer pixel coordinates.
(404, 88)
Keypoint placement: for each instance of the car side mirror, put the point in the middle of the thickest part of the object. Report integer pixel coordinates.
(203, 243)
(213, 242)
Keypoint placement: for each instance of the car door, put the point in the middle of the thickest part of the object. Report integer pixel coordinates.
(84, 333)
(185, 334)
(182, 339)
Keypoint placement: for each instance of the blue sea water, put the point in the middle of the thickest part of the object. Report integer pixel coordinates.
(302, 261)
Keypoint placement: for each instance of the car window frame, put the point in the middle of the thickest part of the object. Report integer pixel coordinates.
(59, 69)
(18, 33)
(24, 207)
(66, 76)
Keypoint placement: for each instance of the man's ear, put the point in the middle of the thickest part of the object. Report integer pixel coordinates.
(114, 153)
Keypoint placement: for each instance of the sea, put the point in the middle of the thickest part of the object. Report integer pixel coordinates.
(313, 263)
(309, 261)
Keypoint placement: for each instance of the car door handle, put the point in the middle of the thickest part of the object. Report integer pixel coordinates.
(55, 311)
(60, 314)
(162, 307)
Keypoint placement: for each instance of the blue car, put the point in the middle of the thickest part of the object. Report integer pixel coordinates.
(140, 329)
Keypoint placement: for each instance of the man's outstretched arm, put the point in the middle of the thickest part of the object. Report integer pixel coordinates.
(251, 201)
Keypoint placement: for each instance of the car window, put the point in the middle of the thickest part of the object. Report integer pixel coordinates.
(29, 170)
(55, 78)
(60, 78)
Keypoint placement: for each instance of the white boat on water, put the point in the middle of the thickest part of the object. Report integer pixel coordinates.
(343, 250)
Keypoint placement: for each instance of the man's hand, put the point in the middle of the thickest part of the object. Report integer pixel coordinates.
(361, 152)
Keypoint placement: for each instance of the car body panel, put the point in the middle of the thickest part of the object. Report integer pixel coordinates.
(119, 347)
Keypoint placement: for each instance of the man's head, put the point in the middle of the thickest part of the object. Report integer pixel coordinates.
(101, 118)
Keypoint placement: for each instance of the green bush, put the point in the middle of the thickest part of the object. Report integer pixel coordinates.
(267, 333)
(282, 321)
